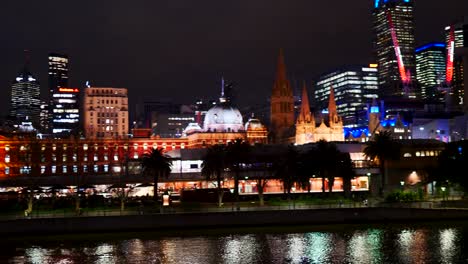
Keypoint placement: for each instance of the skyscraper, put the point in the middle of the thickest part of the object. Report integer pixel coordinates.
(393, 26)
(430, 69)
(64, 108)
(25, 97)
(354, 87)
(456, 37)
(282, 105)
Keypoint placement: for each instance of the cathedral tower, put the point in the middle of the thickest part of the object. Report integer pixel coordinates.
(282, 105)
(305, 124)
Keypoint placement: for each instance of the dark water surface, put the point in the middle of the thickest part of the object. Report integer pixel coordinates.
(395, 243)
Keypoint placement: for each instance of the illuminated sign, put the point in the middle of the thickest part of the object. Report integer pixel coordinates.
(450, 53)
(69, 90)
(373, 65)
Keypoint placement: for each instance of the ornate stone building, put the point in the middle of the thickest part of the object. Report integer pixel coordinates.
(282, 106)
(306, 130)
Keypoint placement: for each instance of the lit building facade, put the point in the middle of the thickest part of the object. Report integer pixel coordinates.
(64, 107)
(65, 111)
(306, 130)
(430, 69)
(105, 112)
(354, 87)
(394, 45)
(456, 37)
(25, 99)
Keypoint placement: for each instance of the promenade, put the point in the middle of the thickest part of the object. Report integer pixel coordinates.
(167, 219)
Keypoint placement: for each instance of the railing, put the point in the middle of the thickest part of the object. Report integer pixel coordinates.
(227, 207)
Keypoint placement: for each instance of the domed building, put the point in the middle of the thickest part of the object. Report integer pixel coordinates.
(223, 123)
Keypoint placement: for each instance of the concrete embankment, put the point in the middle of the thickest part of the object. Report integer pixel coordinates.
(225, 220)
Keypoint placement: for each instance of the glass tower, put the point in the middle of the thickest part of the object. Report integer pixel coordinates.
(354, 88)
(64, 101)
(456, 37)
(394, 44)
(430, 69)
(25, 97)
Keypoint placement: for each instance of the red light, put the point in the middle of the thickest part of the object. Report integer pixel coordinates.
(69, 90)
(450, 53)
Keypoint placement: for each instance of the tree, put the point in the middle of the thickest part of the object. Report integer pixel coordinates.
(213, 165)
(382, 148)
(326, 155)
(158, 165)
(236, 156)
(346, 171)
(452, 164)
(286, 168)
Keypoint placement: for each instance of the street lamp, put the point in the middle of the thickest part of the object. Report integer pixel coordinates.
(443, 192)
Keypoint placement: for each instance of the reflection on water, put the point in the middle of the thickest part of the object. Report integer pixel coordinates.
(396, 244)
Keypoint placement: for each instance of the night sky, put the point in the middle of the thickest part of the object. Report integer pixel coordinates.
(178, 50)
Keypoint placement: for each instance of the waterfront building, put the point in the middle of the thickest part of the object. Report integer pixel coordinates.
(394, 45)
(25, 98)
(223, 123)
(106, 112)
(430, 70)
(354, 86)
(282, 106)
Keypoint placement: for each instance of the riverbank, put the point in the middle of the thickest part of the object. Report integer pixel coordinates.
(177, 222)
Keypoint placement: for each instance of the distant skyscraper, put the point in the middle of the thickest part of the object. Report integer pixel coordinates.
(354, 87)
(394, 44)
(456, 37)
(282, 105)
(430, 69)
(64, 107)
(106, 112)
(25, 97)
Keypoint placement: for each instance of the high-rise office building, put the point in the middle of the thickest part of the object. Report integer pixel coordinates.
(105, 112)
(25, 97)
(394, 44)
(430, 70)
(354, 87)
(64, 103)
(456, 37)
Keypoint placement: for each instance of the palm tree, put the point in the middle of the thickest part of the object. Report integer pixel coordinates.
(382, 148)
(158, 165)
(213, 165)
(236, 155)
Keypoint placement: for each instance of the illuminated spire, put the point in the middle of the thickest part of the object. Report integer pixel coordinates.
(304, 115)
(281, 86)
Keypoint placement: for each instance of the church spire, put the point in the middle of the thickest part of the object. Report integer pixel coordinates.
(304, 115)
(332, 113)
(281, 85)
(282, 104)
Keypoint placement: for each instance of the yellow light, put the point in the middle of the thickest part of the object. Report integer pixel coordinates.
(373, 65)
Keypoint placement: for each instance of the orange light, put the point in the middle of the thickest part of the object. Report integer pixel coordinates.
(373, 65)
(70, 90)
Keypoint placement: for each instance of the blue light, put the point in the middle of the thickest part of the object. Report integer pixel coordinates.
(430, 45)
(377, 2)
(374, 109)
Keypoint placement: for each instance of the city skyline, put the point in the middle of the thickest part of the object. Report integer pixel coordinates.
(156, 56)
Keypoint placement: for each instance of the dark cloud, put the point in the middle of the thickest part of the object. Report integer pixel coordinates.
(179, 49)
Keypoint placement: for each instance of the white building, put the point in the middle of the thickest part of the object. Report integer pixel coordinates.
(105, 112)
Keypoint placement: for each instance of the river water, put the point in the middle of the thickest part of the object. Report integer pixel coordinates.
(393, 243)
